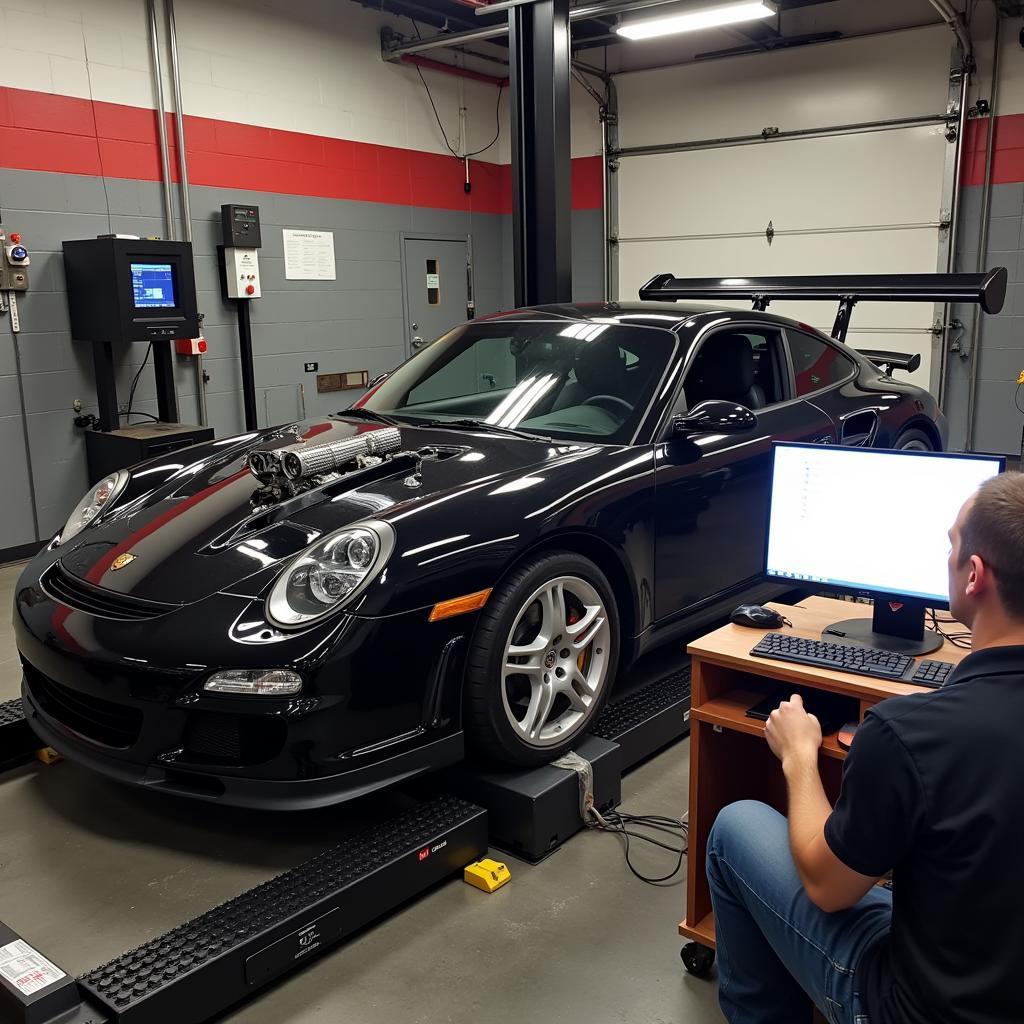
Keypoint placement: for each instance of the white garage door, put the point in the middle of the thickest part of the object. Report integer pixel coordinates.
(848, 204)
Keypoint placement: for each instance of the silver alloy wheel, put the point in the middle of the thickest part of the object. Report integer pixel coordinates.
(915, 445)
(556, 661)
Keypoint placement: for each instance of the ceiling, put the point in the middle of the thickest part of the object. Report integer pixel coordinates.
(800, 23)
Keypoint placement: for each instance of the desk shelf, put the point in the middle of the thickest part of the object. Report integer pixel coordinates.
(730, 712)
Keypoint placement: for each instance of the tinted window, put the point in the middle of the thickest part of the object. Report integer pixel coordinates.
(815, 364)
(740, 365)
(581, 380)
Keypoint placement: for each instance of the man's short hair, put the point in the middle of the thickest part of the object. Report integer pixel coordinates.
(994, 531)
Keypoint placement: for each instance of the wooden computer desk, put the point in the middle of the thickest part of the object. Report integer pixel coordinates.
(729, 756)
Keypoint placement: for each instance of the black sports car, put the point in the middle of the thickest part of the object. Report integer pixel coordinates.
(300, 615)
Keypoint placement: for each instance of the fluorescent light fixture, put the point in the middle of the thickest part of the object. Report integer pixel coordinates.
(693, 21)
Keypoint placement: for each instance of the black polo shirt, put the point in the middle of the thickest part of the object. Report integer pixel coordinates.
(933, 789)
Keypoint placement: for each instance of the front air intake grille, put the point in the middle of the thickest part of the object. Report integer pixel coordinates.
(68, 589)
(217, 738)
(113, 725)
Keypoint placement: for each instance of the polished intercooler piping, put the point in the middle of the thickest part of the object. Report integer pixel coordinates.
(301, 461)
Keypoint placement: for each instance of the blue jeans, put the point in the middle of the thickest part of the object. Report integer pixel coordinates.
(777, 952)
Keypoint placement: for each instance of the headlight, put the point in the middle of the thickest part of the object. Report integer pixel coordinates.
(96, 499)
(329, 574)
(262, 682)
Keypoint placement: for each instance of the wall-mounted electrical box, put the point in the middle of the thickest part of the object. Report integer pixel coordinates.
(240, 226)
(14, 264)
(130, 289)
(242, 273)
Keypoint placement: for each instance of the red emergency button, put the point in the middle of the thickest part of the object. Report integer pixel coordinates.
(250, 289)
(15, 238)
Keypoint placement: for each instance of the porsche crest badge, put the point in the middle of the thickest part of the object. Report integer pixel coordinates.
(122, 560)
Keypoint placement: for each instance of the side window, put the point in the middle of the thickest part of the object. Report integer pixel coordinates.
(815, 364)
(742, 365)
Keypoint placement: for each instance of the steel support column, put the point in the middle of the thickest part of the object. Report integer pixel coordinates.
(541, 159)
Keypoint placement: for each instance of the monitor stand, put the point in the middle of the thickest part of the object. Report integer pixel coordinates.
(897, 625)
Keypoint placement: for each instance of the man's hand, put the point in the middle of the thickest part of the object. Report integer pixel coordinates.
(792, 733)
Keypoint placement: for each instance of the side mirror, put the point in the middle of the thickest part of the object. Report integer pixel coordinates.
(379, 379)
(714, 417)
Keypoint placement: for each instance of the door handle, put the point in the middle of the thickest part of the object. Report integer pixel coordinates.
(418, 343)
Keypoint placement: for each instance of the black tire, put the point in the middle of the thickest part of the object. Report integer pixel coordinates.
(914, 440)
(486, 720)
(697, 959)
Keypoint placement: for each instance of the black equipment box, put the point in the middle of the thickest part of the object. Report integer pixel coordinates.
(532, 811)
(240, 226)
(130, 289)
(107, 451)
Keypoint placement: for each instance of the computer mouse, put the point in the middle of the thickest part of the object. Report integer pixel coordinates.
(756, 616)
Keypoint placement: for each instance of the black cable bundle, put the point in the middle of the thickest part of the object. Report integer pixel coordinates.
(961, 639)
(624, 824)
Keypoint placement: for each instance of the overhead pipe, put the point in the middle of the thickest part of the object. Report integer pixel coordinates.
(451, 69)
(161, 112)
(476, 35)
(186, 205)
(986, 210)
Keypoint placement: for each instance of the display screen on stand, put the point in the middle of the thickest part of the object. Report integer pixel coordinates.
(153, 286)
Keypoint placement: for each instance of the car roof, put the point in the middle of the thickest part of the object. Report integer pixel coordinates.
(670, 315)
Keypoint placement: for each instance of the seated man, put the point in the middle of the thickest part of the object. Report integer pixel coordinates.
(932, 790)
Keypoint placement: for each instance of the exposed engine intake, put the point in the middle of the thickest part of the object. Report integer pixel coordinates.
(300, 460)
(288, 471)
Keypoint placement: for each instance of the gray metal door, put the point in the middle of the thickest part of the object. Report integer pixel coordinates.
(436, 288)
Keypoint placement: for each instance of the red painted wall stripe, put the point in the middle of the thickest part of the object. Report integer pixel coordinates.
(47, 132)
(1007, 151)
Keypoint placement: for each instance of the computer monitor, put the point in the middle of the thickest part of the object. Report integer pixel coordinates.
(871, 523)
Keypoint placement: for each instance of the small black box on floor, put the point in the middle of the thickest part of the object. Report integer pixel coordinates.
(17, 740)
(110, 450)
(33, 990)
(649, 718)
(532, 811)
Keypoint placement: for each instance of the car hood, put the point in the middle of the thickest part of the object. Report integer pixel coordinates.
(198, 532)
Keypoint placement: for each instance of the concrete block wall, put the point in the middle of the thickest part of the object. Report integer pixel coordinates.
(998, 423)
(298, 115)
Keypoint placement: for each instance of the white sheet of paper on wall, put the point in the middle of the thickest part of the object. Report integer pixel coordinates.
(433, 280)
(309, 255)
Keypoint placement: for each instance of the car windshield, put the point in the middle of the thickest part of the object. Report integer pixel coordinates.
(582, 380)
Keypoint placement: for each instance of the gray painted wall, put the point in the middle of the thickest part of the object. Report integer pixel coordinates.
(354, 323)
(998, 424)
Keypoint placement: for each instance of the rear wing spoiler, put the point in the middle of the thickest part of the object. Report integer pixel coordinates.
(889, 361)
(987, 290)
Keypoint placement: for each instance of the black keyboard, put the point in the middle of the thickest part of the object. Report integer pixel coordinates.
(865, 661)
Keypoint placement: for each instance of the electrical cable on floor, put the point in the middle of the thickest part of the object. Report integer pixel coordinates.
(624, 824)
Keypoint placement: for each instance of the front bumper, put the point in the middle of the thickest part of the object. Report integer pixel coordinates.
(380, 702)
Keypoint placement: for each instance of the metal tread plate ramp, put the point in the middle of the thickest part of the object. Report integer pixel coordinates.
(203, 967)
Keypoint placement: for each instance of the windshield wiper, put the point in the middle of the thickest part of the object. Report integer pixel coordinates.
(369, 414)
(469, 424)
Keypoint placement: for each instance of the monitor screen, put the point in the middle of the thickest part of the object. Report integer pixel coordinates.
(868, 520)
(153, 286)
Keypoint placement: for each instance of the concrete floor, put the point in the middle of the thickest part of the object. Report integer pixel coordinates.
(90, 869)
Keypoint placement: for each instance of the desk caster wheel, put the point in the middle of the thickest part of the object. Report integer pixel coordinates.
(697, 959)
